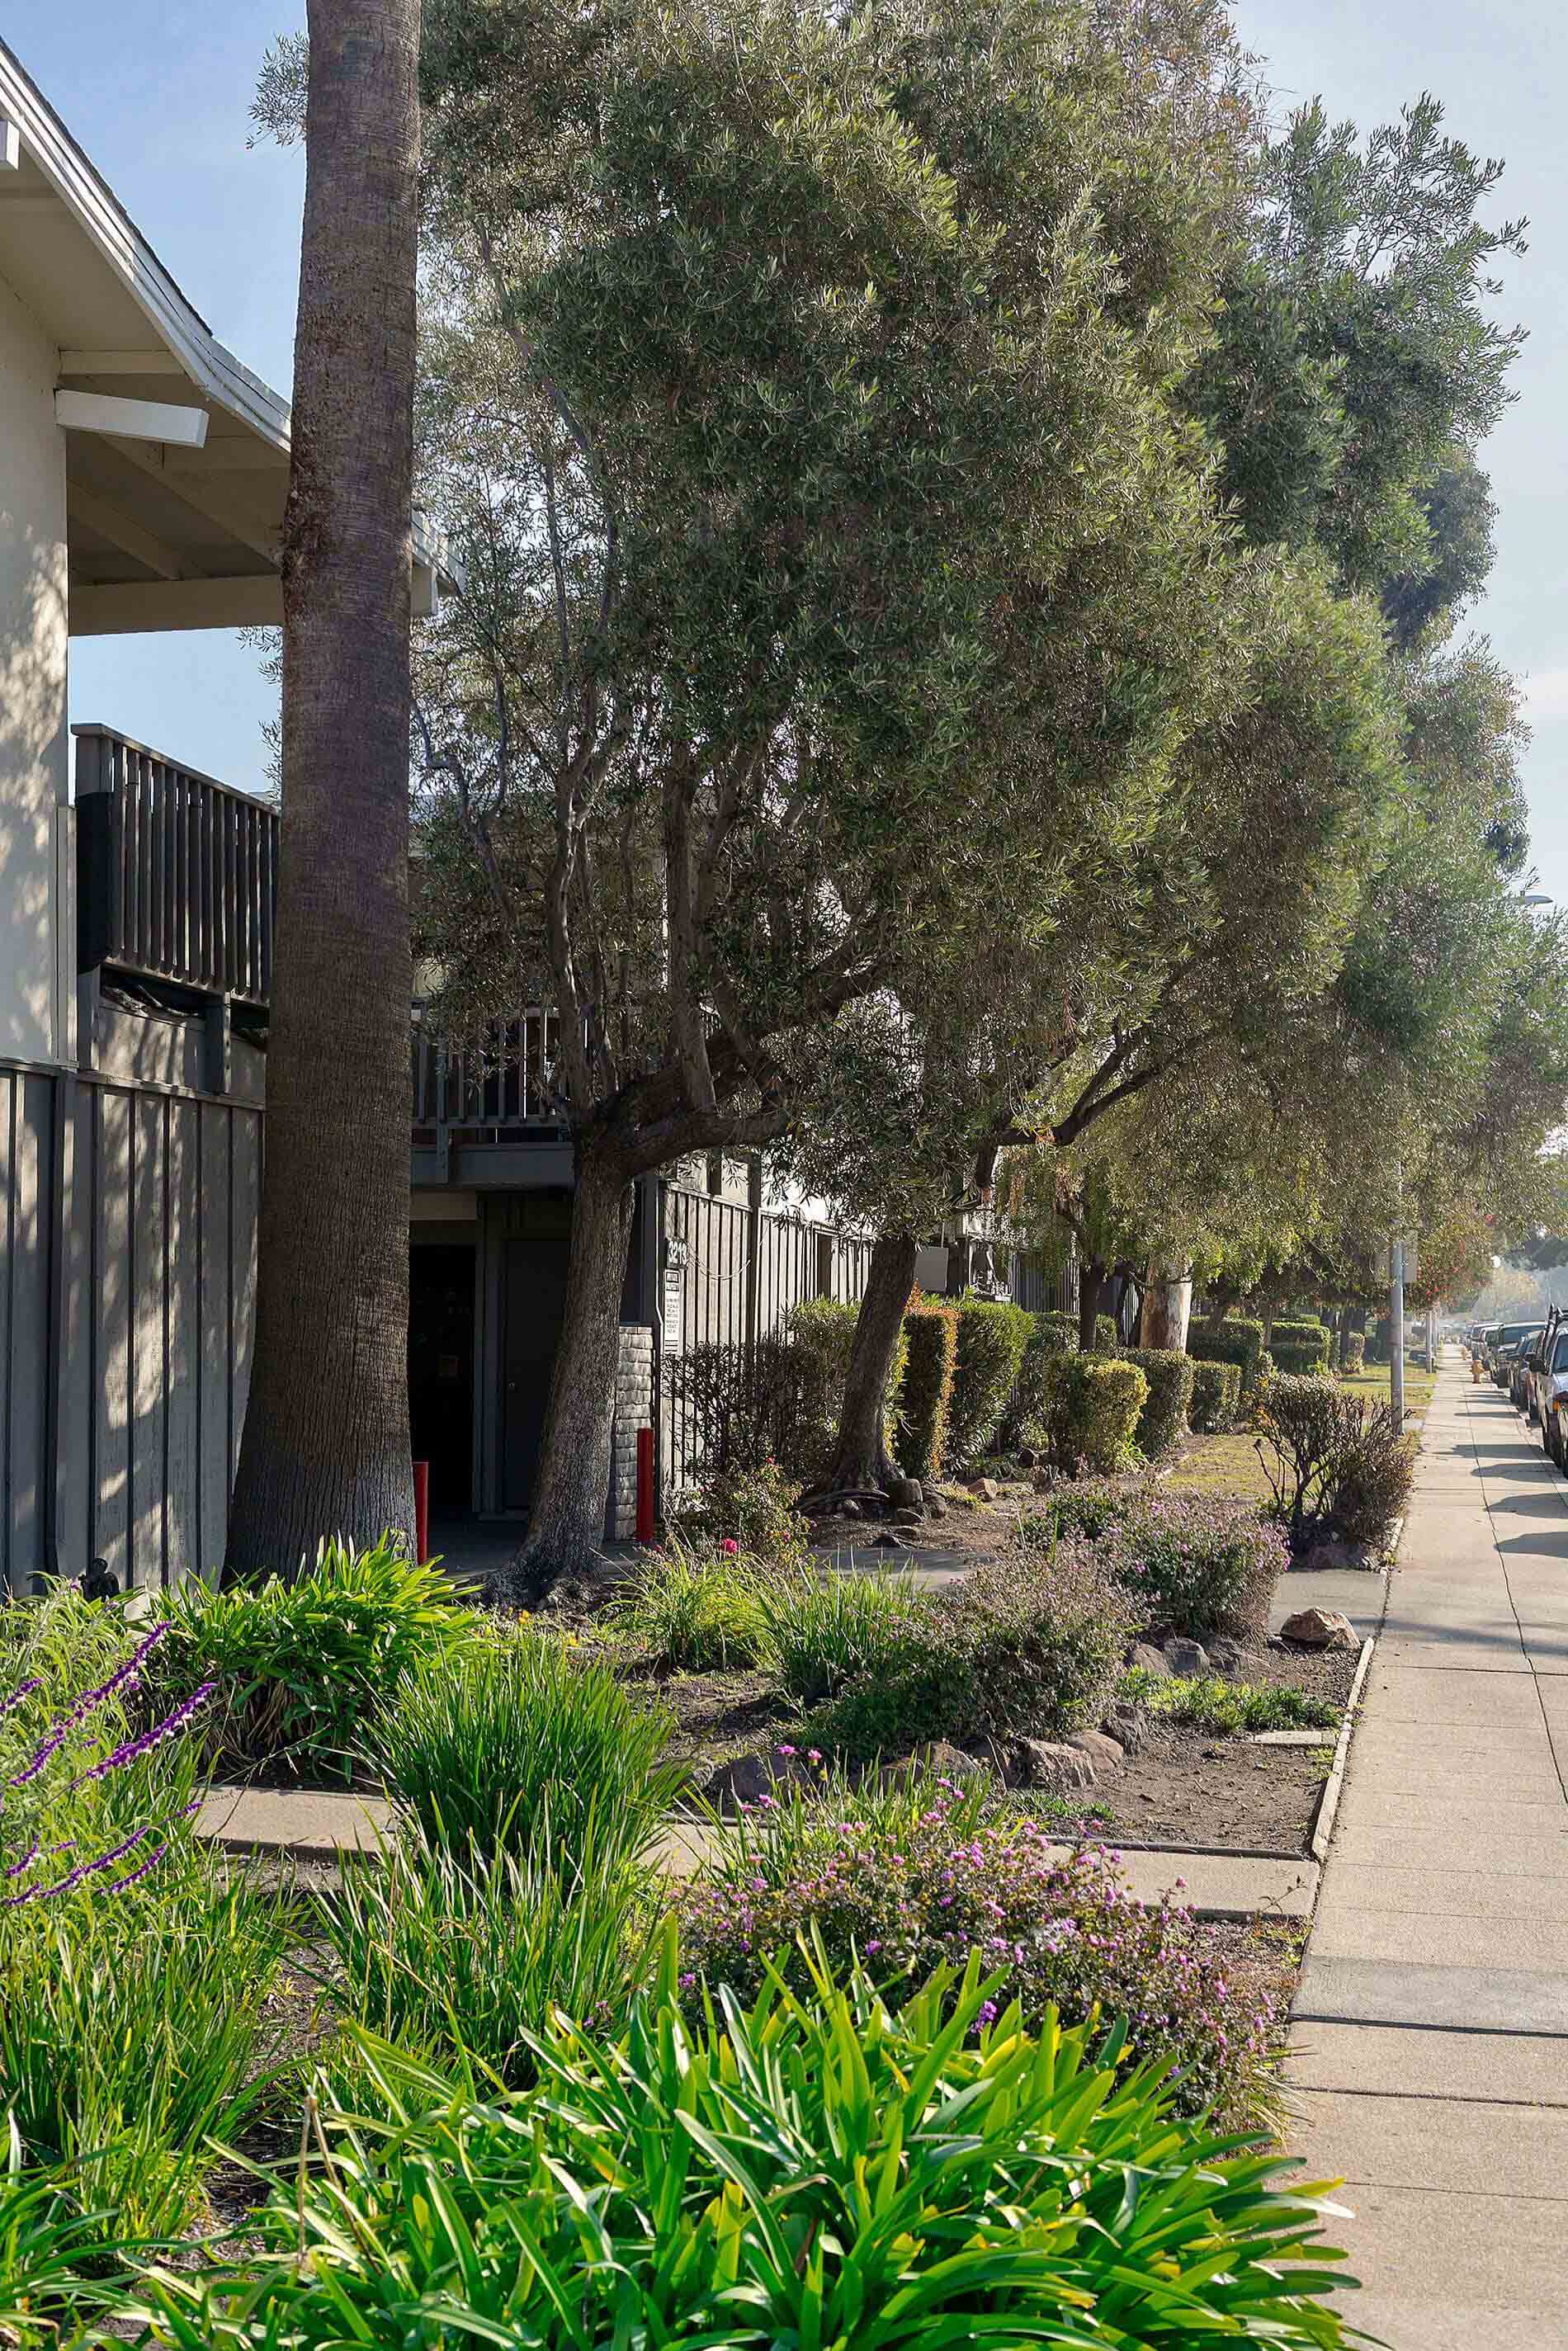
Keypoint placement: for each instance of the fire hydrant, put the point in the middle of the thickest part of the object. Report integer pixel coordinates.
(1475, 1370)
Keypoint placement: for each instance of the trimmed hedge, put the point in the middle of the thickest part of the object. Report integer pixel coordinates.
(821, 1334)
(1164, 1417)
(1237, 1340)
(1023, 1416)
(1094, 1403)
(1299, 1347)
(1216, 1396)
(925, 1399)
(992, 1337)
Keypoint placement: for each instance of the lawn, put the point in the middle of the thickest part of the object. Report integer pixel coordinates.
(1230, 1465)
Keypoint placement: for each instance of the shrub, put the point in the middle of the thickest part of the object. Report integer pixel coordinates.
(757, 1511)
(1339, 1465)
(520, 1744)
(1068, 1326)
(831, 2170)
(132, 1982)
(1094, 1404)
(1023, 1416)
(821, 1339)
(1216, 1396)
(742, 1406)
(1031, 1644)
(1083, 1509)
(1299, 1348)
(459, 1958)
(695, 1607)
(301, 1667)
(1226, 1709)
(1237, 1340)
(1196, 1565)
(992, 1336)
(820, 1634)
(1164, 1417)
(1372, 1474)
(1064, 1933)
(925, 1402)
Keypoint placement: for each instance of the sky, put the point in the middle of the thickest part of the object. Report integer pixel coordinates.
(157, 91)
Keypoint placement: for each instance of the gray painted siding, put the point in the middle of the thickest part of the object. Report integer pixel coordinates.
(156, 1267)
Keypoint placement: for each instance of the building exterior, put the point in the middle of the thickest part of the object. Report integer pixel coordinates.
(144, 472)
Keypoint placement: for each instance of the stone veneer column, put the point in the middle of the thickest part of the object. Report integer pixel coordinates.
(633, 1410)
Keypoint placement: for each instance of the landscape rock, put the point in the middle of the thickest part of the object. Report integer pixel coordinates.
(888, 1539)
(850, 1510)
(983, 1489)
(1228, 1656)
(1320, 1628)
(909, 1518)
(1104, 1753)
(1026, 1457)
(936, 1506)
(1341, 1555)
(1190, 1659)
(1125, 1725)
(905, 1493)
(1050, 1764)
(939, 1759)
(746, 1779)
(1147, 1659)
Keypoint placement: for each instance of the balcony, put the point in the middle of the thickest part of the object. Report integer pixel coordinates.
(177, 887)
(176, 874)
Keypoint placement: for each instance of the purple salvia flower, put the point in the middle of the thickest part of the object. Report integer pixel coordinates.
(60, 1731)
(16, 1697)
(132, 1748)
(84, 1869)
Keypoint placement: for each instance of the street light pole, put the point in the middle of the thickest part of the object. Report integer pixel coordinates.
(1396, 1328)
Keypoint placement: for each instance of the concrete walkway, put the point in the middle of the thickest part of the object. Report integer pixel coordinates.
(1430, 2058)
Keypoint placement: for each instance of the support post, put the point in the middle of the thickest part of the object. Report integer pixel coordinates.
(1396, 1327)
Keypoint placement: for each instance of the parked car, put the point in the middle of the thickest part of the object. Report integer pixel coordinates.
(1517, 1361)
(1501, 1344)
(1549, 1354)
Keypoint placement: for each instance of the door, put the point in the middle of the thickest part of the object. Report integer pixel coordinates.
(440, 1368)
(535, 1312)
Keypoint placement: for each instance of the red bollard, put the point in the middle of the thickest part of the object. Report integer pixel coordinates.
(421, 1513)
(644, 1485)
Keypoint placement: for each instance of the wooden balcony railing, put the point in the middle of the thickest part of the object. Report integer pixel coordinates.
(504, 1083)
(176, 874)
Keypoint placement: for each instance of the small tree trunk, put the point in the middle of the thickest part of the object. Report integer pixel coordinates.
(1220, 1304)
(566, 1524)
(325, 1443)
(1091, 1291)
(861, 1459)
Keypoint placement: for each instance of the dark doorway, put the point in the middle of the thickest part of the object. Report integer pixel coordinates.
(536, 1308)
(440, 1368)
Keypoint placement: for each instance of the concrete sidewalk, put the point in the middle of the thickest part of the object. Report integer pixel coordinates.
(1430, 2054)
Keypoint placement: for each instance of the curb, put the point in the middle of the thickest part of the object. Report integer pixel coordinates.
(1328, 1802)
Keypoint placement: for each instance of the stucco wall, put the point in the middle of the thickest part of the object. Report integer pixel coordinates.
(35, 864)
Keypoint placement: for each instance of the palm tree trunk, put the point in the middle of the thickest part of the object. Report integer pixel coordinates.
(860, 1461)
(325, 1443)
(566, 1524)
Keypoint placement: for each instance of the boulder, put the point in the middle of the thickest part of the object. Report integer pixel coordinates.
(1148, 1658)
(938, 1760)
(746, 1779)
(1341, 1555)
(936, 1506)
(850, 1510)
(1104, 1753)
(1320, 1628)
(1125, 1725)
(905, 1493)
(909, 1518)
(1051, 1765)
(1026, 1457)
(1228, 1656)
(889, 1539)
(1190, 1659)
(983, 1489)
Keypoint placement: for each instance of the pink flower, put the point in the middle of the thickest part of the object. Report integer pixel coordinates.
(729, 1546)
